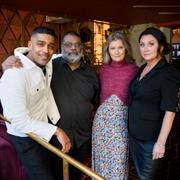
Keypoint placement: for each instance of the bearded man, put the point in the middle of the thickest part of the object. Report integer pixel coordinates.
(75, 87)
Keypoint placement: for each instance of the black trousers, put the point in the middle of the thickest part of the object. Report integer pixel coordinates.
(78, 153)
(34, 157)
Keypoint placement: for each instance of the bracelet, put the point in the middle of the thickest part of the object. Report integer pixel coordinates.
(160, 145)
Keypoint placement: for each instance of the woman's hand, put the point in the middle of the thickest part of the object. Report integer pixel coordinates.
(158, 151)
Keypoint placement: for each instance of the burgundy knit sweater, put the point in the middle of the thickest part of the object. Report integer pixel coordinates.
(115, 79)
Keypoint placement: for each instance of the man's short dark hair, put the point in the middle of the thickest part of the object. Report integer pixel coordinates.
(73, 33)
(44, 30)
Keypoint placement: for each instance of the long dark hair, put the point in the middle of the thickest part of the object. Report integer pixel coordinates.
(160, 36)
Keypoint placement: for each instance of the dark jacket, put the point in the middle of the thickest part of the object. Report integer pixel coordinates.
(149, 99)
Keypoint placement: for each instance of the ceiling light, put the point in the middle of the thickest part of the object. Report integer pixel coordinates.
(156, 6)
(59, 20)
(167, 13)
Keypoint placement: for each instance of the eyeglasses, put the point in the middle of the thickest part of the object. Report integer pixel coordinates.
(70, 45)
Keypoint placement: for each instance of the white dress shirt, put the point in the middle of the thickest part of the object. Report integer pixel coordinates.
(27, 99)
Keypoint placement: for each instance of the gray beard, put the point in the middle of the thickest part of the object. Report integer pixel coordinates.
(72, 58)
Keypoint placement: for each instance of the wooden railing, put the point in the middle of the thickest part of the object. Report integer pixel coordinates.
(66, 158)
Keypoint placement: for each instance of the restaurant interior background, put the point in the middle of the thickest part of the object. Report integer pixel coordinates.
(17, 23)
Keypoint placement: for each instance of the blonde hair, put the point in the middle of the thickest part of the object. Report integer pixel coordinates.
(117, 35)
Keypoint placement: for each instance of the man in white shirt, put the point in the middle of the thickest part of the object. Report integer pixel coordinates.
(28, 102)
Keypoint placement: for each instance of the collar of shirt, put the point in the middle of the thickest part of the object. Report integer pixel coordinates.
(82, 65)
(27, 63)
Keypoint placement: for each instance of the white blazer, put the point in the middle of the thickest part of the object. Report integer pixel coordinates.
(27, 99)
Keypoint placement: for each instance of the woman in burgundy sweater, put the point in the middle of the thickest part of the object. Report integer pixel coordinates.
(109, 135)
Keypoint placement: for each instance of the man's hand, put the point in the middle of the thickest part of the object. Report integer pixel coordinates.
(10, 62)
(63, 139)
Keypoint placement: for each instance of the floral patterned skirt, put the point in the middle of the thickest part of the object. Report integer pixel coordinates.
(110, 140)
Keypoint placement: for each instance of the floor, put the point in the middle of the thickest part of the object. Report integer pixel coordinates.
(170, 169)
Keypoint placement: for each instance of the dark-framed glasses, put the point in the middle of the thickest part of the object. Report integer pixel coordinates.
(70, 45)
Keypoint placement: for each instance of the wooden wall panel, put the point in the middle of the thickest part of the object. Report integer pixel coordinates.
(16, 27)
